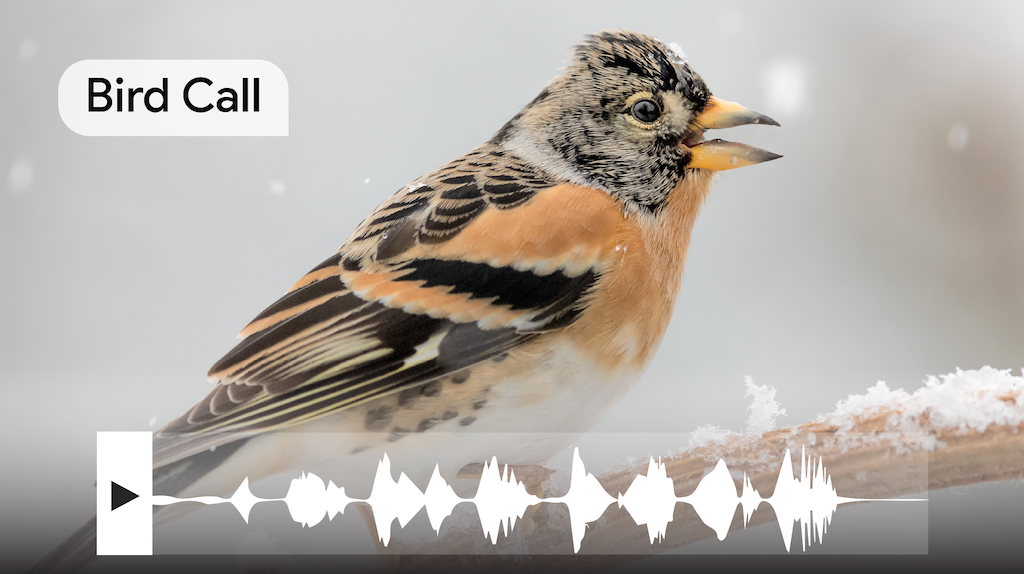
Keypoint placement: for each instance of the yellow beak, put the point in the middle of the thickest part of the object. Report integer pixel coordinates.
(720, 155)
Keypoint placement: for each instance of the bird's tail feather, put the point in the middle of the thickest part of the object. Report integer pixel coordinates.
(73, 553)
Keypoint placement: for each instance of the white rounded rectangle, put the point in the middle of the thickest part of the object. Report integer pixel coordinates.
(174, 98)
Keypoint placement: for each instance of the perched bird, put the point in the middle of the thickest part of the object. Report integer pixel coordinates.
(524, 287)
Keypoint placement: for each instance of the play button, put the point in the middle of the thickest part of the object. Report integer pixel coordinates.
(119, 496)
(124, 529)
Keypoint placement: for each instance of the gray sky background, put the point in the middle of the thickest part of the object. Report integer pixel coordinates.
(888, 244)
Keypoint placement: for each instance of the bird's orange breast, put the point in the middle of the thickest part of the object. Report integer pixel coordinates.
(631, 306)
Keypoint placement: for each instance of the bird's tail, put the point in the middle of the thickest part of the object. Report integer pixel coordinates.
(73, 553)
(80, 548)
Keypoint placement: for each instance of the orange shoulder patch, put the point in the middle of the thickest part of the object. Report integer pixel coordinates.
(566, 227)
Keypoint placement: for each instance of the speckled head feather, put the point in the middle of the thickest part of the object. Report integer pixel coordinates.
(580, 126)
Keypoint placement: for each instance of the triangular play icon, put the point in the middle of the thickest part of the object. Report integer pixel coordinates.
(119, 496)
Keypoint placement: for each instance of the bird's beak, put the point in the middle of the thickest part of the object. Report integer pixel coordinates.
(720, 155)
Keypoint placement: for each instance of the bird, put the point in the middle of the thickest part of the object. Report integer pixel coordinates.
(522, 287)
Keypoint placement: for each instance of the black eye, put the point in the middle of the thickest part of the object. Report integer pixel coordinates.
(646, 111)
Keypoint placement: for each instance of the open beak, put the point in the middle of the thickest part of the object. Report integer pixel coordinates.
(720, 155)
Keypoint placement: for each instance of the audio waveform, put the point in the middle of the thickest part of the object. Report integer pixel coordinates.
(807, 499)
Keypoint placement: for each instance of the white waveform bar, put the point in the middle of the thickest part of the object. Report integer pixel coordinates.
(808, 499)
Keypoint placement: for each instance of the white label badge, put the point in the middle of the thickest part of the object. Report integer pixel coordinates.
(174, 98)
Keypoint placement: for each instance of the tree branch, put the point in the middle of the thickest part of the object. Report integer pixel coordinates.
(905, 446)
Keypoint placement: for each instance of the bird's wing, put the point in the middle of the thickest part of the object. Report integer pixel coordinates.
(467, 263)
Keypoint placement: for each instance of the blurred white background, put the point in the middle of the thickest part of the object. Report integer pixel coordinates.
(887, 244)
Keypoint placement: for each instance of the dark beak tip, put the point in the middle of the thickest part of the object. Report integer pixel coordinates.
(767, 121)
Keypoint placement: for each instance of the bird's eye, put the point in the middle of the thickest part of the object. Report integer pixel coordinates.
(646, 111)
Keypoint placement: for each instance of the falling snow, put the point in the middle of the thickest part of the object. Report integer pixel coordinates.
(20, 176)
(786, 88)
(27, 50)
(958, 136)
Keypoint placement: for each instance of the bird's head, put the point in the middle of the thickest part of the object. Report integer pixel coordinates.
(628, 115)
